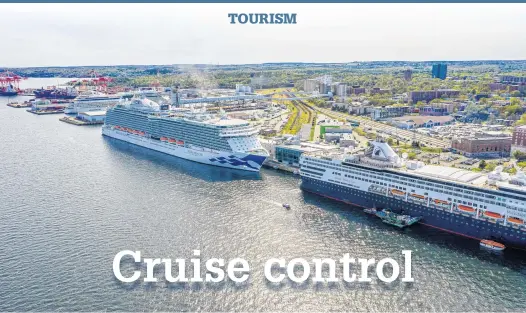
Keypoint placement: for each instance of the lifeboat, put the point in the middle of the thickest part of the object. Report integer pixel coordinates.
(492, 245)
(171, 140)
(397, 192)
(414, 195)
(465, 208)
(164, 139)
(141, 133)
(438, 201)
(493, 214)
(515, 220)
(180, 142)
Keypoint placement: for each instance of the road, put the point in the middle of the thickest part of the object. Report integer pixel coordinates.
(390, 130)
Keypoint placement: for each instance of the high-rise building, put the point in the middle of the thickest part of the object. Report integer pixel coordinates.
(408, 74)
(519, 139)
(439, 71)
(311, 85)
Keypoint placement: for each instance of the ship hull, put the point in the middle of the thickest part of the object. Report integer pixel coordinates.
(47, 95)
(443, 219)
(8, 93)
(239, 161)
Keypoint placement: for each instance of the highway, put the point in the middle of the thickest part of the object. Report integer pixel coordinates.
(388, 129)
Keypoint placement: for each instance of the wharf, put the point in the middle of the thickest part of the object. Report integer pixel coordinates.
(43, 112)
(17, 105)
(77, 122)
(280, 166)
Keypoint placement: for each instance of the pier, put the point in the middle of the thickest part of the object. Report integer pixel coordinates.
(17, 105)
(78, 122)
(44, 112)
(280, 166)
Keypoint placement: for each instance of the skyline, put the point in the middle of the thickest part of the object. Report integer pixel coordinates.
(166, 34)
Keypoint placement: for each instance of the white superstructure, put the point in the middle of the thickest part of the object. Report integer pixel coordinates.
(444, 195)
(196, 136)
(91, 102)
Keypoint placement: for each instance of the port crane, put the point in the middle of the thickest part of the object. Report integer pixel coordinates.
(10, 82)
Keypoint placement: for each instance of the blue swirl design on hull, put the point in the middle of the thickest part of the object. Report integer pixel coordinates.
(244, 161)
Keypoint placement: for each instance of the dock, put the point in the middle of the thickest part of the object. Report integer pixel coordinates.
(44, 112)
(78, 122)
(17, 105)
(280, 166)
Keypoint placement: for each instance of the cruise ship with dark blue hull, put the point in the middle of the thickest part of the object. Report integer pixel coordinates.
(459, 205)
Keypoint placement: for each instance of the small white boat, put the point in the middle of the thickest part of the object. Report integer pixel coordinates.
(286, 206)
(492, 245)
(370, 211)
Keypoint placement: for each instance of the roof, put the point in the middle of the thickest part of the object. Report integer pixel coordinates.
(94, 113)
(420, 119)
(451, 173)
(308, 147)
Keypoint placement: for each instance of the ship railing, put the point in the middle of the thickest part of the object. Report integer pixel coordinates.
(238, 133)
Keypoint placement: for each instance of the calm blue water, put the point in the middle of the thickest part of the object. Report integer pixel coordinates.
(71, 199)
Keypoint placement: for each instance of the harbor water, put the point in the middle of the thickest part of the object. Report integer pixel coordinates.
(70, 199)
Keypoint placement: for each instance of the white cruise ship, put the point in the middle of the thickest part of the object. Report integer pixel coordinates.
(476, 205)
(195, 136)
(91, 102)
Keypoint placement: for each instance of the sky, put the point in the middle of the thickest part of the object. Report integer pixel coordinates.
(113, 34)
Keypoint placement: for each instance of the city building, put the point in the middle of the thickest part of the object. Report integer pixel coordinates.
(325, 88)
(510, 79)
(356, 90)
(340, 90)
(382, 113)
(408, 74)
(379, 91)
(518, 142)
(410, 121)
(243, 89)
(92, 116)
(311, 85)
(439, 71)
(437, 109)
(502, 86)
(415, 96)
(489, 147)
(290, 154)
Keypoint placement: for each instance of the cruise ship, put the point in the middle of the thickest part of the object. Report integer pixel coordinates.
(195, 136)
(476, 205)
(91, 102)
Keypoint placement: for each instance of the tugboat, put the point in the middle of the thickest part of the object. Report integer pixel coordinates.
(370, 211)
(492, 245)
(398, 220)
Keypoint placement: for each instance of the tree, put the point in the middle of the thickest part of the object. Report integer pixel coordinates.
(490, 166)
(515, 93)
(522, 120)
(520, 156)
(482, 164)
